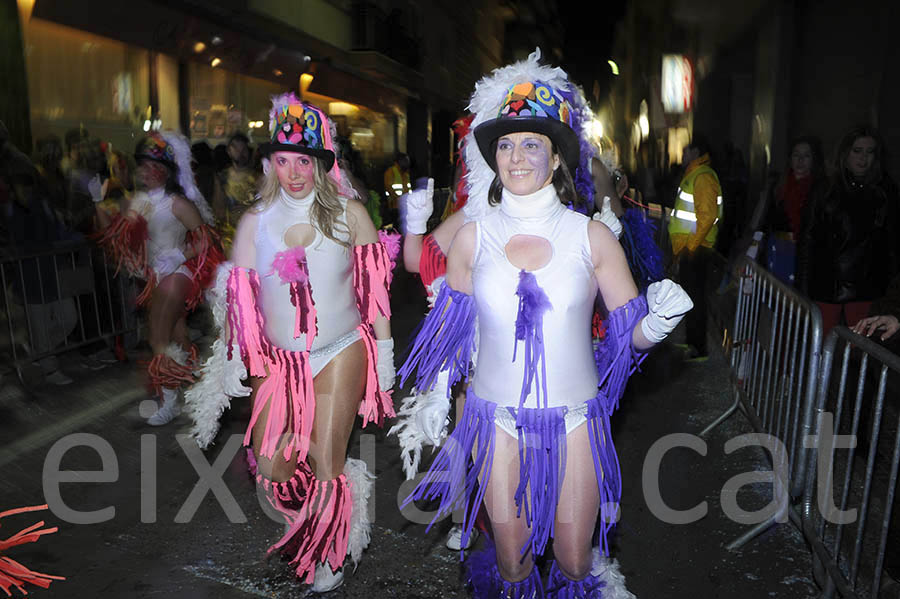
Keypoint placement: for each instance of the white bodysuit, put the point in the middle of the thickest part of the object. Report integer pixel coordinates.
(568, 281)
(330, 278)
(164, 229)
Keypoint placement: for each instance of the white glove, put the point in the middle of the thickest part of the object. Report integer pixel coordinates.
(167, 262)
(609, 218)
(97, 188)
(432, 416)
(384, 366)
(235, 372)
(667, 303)
(419, 205)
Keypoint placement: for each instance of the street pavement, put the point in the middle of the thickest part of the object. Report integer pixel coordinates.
(154, 546)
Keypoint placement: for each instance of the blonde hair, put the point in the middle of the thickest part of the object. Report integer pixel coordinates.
(326, 211)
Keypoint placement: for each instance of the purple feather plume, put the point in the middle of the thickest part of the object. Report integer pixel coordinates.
(584, 185)
(533, 303)
(644, 256)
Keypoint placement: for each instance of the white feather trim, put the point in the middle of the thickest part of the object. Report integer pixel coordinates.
(485, 104)
(408, 432)
(207, 399)
(182, 148)
(607, 570)
(361, 484)
(177, 353)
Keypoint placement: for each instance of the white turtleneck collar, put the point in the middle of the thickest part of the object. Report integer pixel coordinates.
(540, 204)
(157, 194)
(292, 204)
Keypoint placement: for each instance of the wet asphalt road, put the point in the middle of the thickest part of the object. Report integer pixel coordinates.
(141, 551)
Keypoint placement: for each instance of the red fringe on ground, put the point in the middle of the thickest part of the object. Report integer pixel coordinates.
(14, 574)
(208, 255)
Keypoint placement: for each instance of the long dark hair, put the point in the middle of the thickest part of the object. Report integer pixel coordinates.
(562, 181)
(876, 171)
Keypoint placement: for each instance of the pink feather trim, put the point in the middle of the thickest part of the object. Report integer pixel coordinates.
(291, 265)
(292, 268)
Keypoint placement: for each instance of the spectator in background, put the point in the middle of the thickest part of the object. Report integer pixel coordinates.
(804, 173)
(396, 183)
(73, 138)
(50, 185)
(31, 225)
(884, 321)
(204, 168)
(91, 161)
(693, 229)
(235, 187)
(851, 247)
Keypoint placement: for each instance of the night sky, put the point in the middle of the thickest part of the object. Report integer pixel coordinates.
(590, 27)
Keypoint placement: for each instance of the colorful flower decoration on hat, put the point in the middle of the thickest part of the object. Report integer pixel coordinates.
(155, 147)
(535, 99)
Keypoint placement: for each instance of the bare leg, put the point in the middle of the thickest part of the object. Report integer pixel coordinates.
(510, 531)
(579, 504)
(166, 308)
(339, 389)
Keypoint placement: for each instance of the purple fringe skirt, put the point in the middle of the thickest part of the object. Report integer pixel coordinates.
(468, 455)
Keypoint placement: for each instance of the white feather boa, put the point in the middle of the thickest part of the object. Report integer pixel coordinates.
(182, 150)
(485, 104)
(409, 434)
(361, 484)
(207, 399)
(607, 570)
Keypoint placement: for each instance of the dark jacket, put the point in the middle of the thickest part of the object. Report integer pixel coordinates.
(850, 248)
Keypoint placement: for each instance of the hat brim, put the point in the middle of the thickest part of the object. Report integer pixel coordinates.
(560, 134)
(326, 156)
(168, 163)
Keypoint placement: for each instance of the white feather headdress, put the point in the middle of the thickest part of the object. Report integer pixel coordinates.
(485, 104)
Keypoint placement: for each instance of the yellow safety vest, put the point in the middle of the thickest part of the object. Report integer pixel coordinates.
(396, 184)
(684, 219)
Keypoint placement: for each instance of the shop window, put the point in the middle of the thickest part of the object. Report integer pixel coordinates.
(77, 79)
(223, 102)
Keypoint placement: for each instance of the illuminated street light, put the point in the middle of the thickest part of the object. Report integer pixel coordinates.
(215, 62)
(613, 67)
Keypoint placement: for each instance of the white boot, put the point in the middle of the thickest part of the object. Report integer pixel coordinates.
(325, 580)
(169, 409)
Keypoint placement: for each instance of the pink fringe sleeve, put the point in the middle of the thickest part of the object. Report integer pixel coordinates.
(245, 321)
(372, 280)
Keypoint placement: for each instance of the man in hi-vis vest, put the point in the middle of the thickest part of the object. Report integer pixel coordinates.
(693, 227)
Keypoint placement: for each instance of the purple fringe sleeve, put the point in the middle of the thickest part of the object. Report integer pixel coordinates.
(445, 341)
(616, 357)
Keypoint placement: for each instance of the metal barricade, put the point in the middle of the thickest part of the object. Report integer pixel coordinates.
(775, 349)
(849, 548)
(61, 299)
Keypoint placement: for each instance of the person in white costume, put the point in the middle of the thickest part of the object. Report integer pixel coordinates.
(537, 409)
(306, 315)
(164, 236)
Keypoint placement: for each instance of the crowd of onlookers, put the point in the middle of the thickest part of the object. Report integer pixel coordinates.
(47, 203)
(828, 227)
